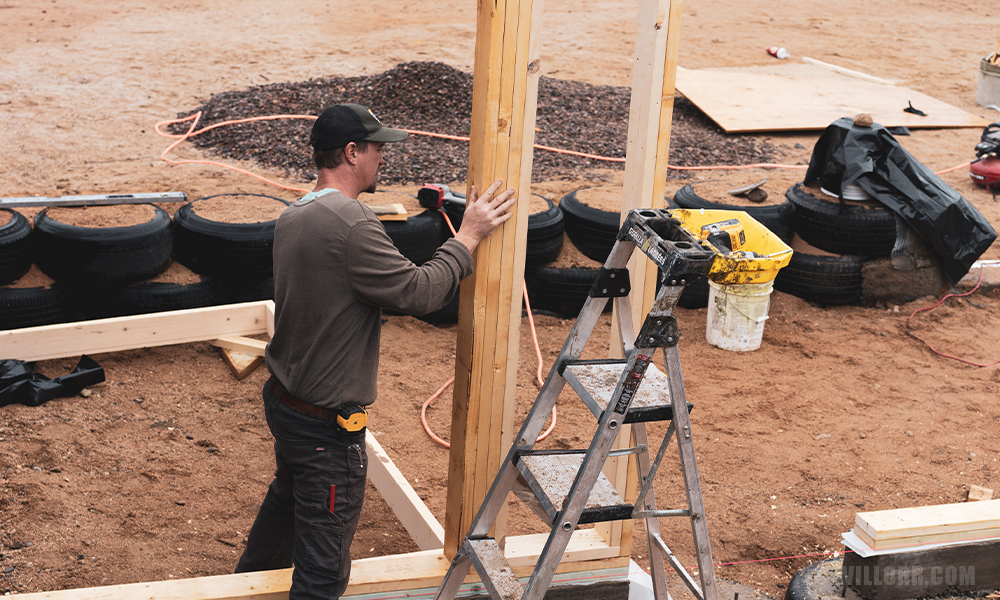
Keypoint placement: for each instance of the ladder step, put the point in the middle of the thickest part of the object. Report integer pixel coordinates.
(596, 380)
(494, 571)
(550, 475)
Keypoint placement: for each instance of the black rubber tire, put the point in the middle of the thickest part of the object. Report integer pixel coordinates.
(30, 307)
(855, 229)
(103, 256)
(224, 251)
(545, 235)
(545, 231)
(779, 218)
(446, 315)
(822, 279)
(561, 291)
(253, 291)
(159, 296)
(592, 231)
(816, 581)
(15, 247)
(418, 237)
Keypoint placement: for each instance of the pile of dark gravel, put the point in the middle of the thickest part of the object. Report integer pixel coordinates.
(435, 97)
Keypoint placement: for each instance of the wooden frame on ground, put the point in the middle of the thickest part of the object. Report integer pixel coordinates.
(224, 326)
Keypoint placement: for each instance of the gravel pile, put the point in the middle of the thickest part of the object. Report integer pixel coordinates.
(435, 97)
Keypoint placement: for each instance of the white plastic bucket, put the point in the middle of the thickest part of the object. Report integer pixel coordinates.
(736, 315)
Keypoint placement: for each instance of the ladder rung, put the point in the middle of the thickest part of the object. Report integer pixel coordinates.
(551, 475)
(493, 569)
(597, 380)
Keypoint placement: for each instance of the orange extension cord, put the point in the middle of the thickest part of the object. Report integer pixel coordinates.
(193, 131)
(935, 305)
(538, 374)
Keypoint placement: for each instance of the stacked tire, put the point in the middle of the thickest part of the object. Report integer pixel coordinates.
(777, 217)
(233, 255)
(24, 303)
(543, 245)
(833, 240)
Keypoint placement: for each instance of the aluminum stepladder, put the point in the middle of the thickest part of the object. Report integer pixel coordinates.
(566, 488)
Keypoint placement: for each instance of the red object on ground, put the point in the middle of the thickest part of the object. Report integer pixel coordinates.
(986, 173)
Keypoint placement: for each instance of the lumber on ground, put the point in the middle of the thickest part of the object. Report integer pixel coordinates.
(504, 93)
(921, 525)
(139, 331)
(224, 327)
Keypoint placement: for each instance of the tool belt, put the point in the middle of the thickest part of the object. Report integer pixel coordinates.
(350, 418)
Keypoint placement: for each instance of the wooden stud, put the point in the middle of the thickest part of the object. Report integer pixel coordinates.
(586, 552)
(140, 331)
(240, 363)
(650, 113)
(242, 344)
(503, 117)
(411, 511)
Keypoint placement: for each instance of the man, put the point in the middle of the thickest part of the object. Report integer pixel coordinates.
(335, 268)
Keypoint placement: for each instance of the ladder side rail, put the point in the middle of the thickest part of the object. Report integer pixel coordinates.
(689, 468)
(535, 420)
(600, 446)
(455, 576)
(679, 568)
(656, 565)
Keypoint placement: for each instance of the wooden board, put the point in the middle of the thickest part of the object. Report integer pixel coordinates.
(240, 363)
(920, 525)
(389, 212)
(586, 552)
(408, 507)
(796, 96)
(139, 331)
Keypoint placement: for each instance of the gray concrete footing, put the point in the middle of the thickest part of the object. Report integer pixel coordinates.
(961, 569)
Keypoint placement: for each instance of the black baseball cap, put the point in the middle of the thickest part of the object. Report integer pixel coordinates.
(345, 123)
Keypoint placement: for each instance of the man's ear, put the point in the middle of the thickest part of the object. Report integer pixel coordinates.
(351, 152)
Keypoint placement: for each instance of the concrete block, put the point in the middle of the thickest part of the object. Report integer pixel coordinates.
(950, 570)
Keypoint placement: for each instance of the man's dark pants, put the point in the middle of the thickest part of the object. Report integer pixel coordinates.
(311, 509)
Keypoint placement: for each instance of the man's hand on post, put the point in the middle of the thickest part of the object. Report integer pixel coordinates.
(485, 213)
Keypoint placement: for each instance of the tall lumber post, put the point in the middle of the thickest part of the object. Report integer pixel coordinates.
(504, 95)
(654, 77)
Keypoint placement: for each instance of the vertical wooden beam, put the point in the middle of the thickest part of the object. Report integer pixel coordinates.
(505, 87)
(654, 77)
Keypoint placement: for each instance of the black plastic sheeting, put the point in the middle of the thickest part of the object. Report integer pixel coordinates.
(871, 158)
(20, 383)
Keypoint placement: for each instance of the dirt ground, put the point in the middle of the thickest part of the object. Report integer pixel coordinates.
(158, 473)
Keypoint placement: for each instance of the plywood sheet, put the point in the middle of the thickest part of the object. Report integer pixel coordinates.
(801, 96)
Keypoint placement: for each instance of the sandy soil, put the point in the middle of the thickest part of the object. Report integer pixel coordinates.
(158, 472)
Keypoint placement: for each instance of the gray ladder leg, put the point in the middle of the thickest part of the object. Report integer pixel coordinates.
(656, 565)
(689, 467)
(454, 577)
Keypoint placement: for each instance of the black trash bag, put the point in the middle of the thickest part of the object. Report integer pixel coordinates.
(871, 158)
(20, 383)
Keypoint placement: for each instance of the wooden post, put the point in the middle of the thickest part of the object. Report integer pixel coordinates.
(654, 77)
(505, 89)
